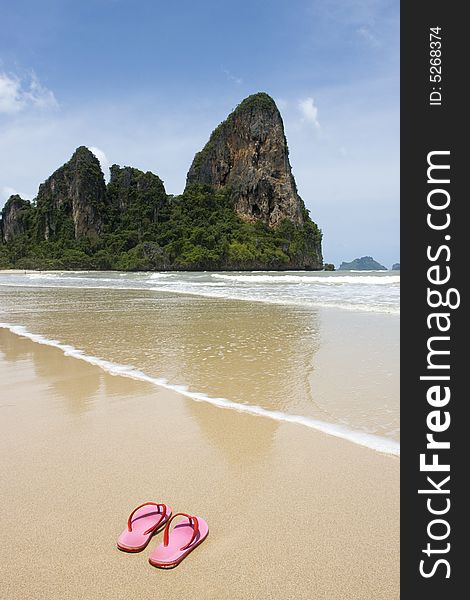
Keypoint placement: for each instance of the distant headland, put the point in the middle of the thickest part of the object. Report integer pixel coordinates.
(365, 263)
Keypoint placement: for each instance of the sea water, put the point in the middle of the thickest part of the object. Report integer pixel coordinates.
(313, 348)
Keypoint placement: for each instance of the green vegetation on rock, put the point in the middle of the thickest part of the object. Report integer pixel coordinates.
(194, 231)
(240, 209)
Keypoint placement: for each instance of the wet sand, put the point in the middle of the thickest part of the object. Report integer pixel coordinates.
(293, 513)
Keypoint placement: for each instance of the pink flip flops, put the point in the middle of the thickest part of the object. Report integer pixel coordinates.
(186, 536)
(144, 521)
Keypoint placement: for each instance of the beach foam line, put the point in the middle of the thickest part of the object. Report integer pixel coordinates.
(224, 295)
(374, 442)
(312, 279)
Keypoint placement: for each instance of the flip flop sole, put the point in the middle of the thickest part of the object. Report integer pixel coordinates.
(173, 561)
(172, 565)
(137, 540)
(136, 549)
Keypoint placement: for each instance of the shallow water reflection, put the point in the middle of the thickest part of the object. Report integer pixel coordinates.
(334, 365)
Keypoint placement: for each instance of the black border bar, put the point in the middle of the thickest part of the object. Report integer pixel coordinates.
(429, 128)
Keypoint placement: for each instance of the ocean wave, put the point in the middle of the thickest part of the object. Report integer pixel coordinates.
(374, 442)
(224, 294)
(161, 275)
(34, 276)
(369, 293)
(169, 284)
(221, 292)
(78, 276)
(311, 279)
(363, 270)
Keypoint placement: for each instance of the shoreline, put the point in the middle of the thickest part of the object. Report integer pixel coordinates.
(321, 304)
(27, 271)
(172, 270)
(383, 445)
(86, 447)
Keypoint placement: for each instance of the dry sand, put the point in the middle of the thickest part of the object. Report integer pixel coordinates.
(293, 513)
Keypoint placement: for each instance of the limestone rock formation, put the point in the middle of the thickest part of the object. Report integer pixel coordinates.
(73, 197)
(248, 153)
(365, 263)
(135, 196)
(16, 218)
(240, 210)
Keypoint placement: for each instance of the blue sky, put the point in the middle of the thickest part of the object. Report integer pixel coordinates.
(143, 83)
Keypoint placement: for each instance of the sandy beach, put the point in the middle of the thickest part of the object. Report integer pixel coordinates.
(293, 513)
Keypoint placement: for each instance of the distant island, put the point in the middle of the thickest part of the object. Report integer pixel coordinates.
(240, 209)
(396, 267)
(366, 263)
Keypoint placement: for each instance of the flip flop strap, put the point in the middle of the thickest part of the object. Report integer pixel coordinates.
(150, 529)
(192, 521)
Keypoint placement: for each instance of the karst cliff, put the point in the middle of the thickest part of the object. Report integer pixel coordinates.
(240, 209)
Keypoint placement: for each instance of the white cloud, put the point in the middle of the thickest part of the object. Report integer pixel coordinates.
(369, 36)
(231, 77)
(349, 176)
(18, 94)
(309, 112)
(101, 156)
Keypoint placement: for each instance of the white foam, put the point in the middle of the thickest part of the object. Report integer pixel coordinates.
(161, 275)
(369, 292)
(364, 270)
(41, 276)
(374, 442)
(225, 294)
(219, 291)
(312, 279)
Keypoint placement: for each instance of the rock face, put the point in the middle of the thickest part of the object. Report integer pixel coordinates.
(248, 154)
(74, 196)
(396, 267)
(15, 218)
(366, 263)
(240, 210)
(135, 196)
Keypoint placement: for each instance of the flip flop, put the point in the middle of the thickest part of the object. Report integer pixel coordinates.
(143, 522)
(186, 536)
